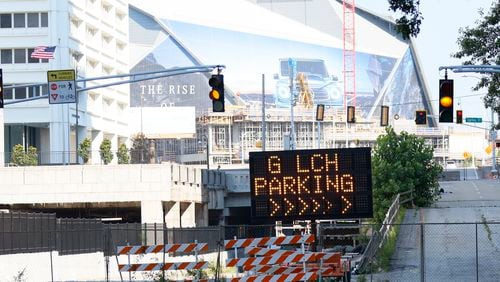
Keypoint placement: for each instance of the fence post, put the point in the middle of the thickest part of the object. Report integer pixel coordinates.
(422, 253)
(477, 258)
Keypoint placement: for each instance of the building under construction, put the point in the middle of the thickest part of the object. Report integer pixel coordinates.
(297, 55)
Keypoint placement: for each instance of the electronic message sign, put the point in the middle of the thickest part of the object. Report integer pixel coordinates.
(310, 184)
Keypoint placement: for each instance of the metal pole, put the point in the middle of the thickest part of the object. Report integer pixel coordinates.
(291, 71)
(422, 253)
(51, 267)
(477, 259)
(76, 124)
(319, 134)
(263, 113)
(493, 157)
(208, 150)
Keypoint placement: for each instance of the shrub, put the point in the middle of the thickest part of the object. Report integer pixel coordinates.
(105, 151)
(84, 150)
(22, 158)
(122, 154)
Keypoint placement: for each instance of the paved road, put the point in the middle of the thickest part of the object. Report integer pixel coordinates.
(449, 238)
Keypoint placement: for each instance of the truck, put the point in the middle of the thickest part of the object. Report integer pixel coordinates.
(325, 88)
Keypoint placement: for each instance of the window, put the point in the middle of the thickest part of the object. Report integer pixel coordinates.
(5, 20)
(19, 56)
(32, 60)
(44, 20)
(6, 55)
(45, 90)
(7, 93)
(20, 93)
(19, 20)
(33, 91)
(33, 19)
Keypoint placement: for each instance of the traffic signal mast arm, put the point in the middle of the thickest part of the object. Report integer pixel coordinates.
(136, 77)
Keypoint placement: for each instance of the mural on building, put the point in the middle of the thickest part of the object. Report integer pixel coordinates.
(379, 79)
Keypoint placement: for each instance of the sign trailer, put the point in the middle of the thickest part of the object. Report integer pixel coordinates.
(311, 184)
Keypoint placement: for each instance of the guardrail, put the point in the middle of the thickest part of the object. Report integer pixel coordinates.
(379, 237)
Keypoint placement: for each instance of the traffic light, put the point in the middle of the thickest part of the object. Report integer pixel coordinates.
(217, 92)
(320, 112)
(460, 116)
(445, 100)
(1, 89)
(384, 116)
(421, 117)
(351, 116)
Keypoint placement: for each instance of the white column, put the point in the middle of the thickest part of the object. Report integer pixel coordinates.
(188, 214)
(58, 134)
(152, 212)
(2, 139)
(172, 214)
(97, 137)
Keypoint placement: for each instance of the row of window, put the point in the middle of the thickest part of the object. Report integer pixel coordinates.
(19, 56)
(23, 20)
(17, 93)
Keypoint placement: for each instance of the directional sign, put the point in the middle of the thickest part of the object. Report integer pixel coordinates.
(62, 87)
(474, 119)
(310, 184)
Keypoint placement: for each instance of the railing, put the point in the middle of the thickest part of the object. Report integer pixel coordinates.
(379, 237)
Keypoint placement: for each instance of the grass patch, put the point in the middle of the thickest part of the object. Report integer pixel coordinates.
(383, 260)
(486, 227)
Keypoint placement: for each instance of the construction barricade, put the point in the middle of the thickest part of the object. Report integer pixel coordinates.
(189, 248)
(266, 264)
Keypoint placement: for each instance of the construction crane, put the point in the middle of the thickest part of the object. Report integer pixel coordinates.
(349, 52)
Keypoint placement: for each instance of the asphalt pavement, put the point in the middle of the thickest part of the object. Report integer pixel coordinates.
(464, 222)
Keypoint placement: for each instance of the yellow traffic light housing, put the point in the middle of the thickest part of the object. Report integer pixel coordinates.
(217, 92)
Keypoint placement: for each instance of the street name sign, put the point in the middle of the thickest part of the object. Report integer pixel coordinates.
(474, 119)
(62, 87)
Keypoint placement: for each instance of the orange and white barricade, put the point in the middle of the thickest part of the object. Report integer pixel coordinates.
(268, 241)
(167, 248)
(308, 276)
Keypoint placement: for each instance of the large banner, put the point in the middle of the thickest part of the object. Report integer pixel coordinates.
(379, 79)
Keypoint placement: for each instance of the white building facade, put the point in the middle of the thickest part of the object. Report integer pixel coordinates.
(91, 37)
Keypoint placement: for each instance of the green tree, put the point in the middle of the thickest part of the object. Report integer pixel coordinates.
(105, 151)
(140, 153)
(480, 45)
(401, 163)
(122, 154)
(84, 150)
(22, 158)
(409, 22)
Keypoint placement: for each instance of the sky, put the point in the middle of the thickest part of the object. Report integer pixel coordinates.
(436, 42)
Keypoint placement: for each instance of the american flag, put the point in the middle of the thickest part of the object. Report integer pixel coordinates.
(43, 52)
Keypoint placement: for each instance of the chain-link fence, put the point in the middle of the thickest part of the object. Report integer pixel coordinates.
(435, 252)
(410, 252)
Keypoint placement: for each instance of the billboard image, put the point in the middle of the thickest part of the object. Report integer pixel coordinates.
(249, 55)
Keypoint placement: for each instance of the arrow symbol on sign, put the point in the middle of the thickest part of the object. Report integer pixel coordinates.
(317, 205)
(289, 208)
(328, 205)
(54, 96)
(275, 208)
(347, 204)
(304, 206)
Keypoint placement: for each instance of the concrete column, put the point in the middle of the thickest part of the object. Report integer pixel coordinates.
(188, 214)
(201, 213)
(114, 148)
(59, 134)
(172, 214)
(82, 134)
(97, 137)
(2, 138)
(152, 212)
